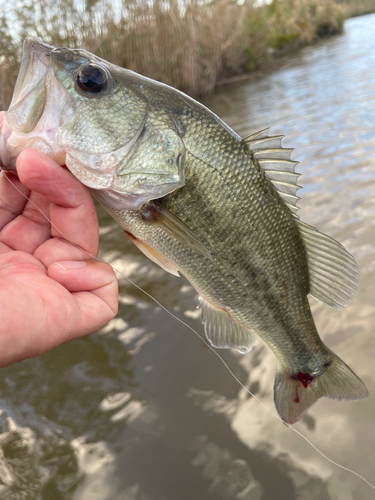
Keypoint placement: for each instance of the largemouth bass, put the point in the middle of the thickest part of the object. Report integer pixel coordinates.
(198, 200)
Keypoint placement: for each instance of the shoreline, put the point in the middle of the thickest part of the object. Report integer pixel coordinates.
(278, 61)
(191, 46)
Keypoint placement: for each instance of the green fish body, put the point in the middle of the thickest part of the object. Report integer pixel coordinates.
(199, 200)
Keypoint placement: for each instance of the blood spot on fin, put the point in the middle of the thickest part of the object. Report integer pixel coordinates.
(296, 396)
(304, 378)
(337, 381)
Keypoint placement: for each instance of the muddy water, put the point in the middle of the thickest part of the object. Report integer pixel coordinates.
(143, 410)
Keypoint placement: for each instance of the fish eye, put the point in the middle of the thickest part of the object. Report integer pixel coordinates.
(92, 78)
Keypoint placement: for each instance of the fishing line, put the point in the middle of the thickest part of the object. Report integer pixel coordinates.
(346, 469)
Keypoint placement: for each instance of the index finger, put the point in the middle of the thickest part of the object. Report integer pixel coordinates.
(12, 197)
(72, 210)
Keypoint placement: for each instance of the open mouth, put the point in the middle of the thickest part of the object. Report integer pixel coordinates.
(33, 115)
(45, 115)
(35, 62)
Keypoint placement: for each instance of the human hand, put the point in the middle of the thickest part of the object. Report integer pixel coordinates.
(51, 291)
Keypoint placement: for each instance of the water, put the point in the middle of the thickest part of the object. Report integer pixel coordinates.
(143, 410)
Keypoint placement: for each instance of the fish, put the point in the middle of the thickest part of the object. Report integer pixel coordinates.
(198, 200)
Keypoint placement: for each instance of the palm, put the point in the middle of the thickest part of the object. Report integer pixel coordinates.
(45, 297)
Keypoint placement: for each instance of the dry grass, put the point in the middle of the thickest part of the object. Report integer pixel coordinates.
(188, 44)
(354, 8)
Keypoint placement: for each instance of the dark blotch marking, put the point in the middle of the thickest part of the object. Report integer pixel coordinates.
(150, 212)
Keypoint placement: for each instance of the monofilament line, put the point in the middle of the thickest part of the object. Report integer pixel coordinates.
(204, 341)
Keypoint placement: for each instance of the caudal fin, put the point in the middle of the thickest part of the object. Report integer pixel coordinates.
(294, 394)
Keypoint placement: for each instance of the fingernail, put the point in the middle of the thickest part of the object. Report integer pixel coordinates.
(70, 264)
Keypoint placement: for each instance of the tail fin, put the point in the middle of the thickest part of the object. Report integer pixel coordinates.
(293, 396)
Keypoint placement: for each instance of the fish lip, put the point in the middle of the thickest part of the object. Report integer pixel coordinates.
(35, 61)
(34, 70)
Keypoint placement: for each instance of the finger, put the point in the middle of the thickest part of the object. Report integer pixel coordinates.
(94, 286)
(13, 197)
(15, 263)
(4, 248)
(72, 210)
(13, 194)
(31, 228)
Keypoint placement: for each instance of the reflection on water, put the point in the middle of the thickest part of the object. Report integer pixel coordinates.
(142, 409)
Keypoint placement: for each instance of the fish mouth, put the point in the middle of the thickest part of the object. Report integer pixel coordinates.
(36, 59)
(31, 119)
(45, 115)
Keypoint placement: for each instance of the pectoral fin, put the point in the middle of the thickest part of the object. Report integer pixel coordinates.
(155, 213)
(223, 332)
(153, 255)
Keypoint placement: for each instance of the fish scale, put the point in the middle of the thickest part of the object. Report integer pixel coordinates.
(231, 279)
(197, 199)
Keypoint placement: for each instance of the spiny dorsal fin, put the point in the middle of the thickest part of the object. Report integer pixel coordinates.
(223, 332)
(276, 163)
(333, 272)
(257, 135)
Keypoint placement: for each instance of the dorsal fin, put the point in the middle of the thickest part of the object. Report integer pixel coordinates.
(257, 135)
(333, 271)
(276, 163)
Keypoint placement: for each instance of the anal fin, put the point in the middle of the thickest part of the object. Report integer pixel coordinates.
(223, 332)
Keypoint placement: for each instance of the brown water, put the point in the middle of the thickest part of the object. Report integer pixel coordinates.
(143, 410)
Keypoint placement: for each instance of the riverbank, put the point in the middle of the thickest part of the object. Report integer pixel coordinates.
(186, 44)
(355, 8)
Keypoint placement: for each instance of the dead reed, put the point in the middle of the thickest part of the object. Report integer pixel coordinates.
(190, 44)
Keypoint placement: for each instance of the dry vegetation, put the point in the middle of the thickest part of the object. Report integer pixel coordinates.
(354, 8)
(189, 44)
